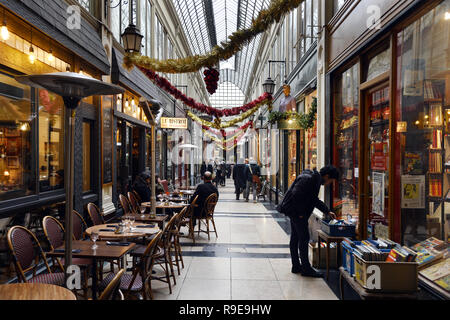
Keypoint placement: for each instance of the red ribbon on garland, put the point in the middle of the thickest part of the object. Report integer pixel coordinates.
(165, 84)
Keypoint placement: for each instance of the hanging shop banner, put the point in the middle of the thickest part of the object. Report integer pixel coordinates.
(174, 123)
(378, 193)
(413, 192)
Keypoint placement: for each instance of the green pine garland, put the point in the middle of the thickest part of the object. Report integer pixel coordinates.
(306, 121)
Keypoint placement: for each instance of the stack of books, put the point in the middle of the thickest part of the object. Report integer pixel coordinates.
(368, 252)
(385, 243)
(401, 254)
(429, 250)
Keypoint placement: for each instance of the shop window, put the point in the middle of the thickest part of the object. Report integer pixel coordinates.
(87, 151)
(346, 112)
(16, 126)
(311, 137)
(51, 141)
(379, 64)
(422, 143)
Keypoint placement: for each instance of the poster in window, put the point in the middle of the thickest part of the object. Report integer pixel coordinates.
(413, 79)
(107, 137)
(413, 192)
(378, 193)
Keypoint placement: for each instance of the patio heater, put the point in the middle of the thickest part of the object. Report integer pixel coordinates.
(72, 87)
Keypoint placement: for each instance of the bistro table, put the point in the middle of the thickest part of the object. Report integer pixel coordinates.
(165, 205)
(35, 291)
(187, 192)
(83, 249)
(146, 218)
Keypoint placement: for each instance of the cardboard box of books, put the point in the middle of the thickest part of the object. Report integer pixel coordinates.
(389, 270)
(313, 255)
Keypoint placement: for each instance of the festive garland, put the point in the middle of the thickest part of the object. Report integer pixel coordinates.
(306, 121)
(228, 133)
(224, 146)
(276, 10)
(165, 84)
(212, 137)
(217, 124)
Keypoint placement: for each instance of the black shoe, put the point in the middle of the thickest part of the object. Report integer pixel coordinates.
(312, 273)
(297, 269)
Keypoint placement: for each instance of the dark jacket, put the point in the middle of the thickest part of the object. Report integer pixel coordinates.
(203, 168)
(254, 169)
(141, 187)
(203, 191)
(304, 192)
(239, 175)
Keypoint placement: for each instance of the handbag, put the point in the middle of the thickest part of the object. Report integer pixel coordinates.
(255, 178)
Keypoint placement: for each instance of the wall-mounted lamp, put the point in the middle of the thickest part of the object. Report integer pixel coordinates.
(4, 30)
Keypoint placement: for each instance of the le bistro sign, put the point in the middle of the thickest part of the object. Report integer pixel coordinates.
(174, 123)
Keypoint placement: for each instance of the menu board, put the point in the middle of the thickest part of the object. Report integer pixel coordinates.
(107, 137)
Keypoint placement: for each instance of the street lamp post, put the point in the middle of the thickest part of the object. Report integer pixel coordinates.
(72, 87)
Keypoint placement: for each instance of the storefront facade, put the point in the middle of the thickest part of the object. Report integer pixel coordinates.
(33, 121)
(390, 122)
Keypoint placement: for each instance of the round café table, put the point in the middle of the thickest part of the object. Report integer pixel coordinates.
(165, 205)
(106, 231)
(35, 291)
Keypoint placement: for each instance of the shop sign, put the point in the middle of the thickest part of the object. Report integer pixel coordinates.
(174, 123)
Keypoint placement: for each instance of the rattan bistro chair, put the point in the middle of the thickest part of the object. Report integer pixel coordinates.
(176, 239)
(207, 214)
(79, 226)
(113, 289)
(138, 281)
(188, 219)
(125, 204)
(54, 232)
(26, 252)
(95, 214)
(134, 204)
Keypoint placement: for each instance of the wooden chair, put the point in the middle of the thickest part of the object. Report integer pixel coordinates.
(112, 290)
(163, 256)
(95, 214)
(176, 239)
(125, 204)
(165, 185)
(134, 204)
(26, 252)
(54, 233)
(138, 280)
(79, 226)
(207, 214)
(188, 219)
(137, 196)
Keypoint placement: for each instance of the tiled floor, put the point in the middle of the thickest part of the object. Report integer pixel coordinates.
(249, 260)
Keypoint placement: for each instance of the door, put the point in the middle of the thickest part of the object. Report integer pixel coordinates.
(375, 156)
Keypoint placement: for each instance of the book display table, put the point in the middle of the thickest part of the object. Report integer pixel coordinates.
(366, 295)
(322, 236)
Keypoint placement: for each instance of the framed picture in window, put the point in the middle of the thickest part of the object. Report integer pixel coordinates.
(13, 146)
(9, 132)
(12, 162)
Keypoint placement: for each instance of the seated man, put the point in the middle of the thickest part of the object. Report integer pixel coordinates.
(203, 191)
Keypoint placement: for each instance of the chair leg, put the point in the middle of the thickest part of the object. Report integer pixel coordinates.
(171, 268)
(167, 275)
(180, 252)
(214, 225)
(207, 227)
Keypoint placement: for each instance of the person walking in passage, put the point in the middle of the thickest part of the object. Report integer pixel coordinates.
(252, 173)
(298, 204)
(239, 178)
(203, 191)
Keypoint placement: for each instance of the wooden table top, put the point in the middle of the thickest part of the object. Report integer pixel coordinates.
(161, 205)
(146, 218)
(190, 192)
(103, 250)
(136, 233)
(35, 291)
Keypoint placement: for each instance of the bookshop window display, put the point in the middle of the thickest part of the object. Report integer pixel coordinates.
(311, 137)
(422, 141)
(345, 153)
